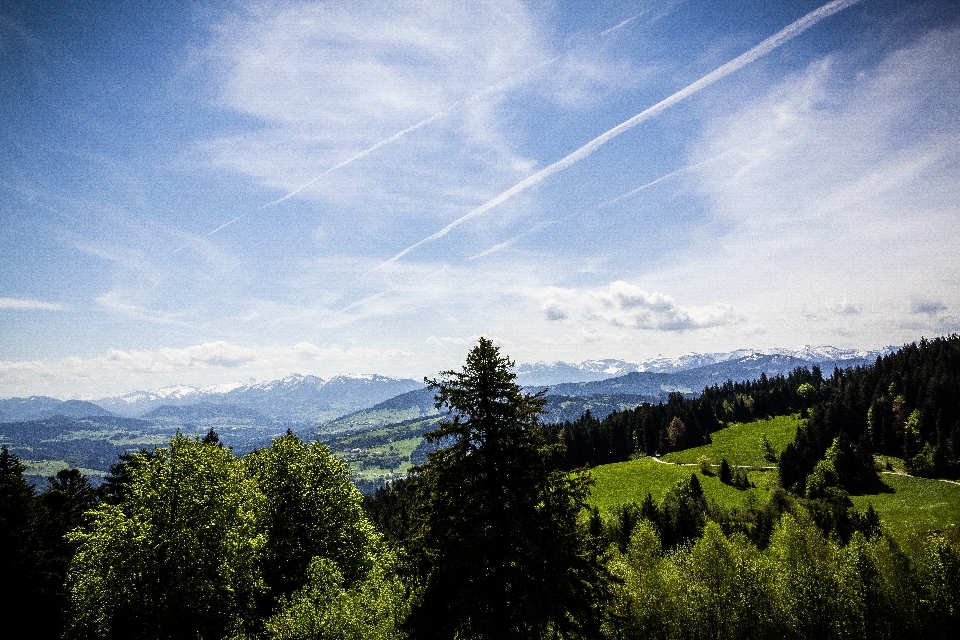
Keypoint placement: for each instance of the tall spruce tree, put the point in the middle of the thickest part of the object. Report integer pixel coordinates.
(502, 553)
(19, 548)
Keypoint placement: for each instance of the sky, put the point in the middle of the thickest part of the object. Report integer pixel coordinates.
(199, 193)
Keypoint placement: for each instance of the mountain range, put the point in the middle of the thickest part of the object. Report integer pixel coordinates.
(736, 362)
(362, 401)
(358, 409)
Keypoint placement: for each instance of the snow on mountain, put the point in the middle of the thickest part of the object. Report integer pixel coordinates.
(295, 398)
(542, 373)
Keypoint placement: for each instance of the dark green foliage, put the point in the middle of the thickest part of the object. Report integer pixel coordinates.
(906, 405)
(393, 510)
(499, 551)
(68, 496)
(116, 484)
(34, 554)
(19, 548)
(768, 453)
(725, 475)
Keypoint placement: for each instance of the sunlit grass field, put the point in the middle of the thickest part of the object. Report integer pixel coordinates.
(741, 444)
(908, 505)
(624, 482)
(914, 505)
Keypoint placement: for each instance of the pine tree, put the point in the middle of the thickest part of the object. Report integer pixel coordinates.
(502, 553)
(19, 547)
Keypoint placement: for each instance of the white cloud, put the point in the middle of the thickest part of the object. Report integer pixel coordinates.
(29, 305)
(624, 305)
(838, 187)
(119, 371)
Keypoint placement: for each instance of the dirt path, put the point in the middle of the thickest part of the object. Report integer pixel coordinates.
(904, 473)
(694, 464)
(894, 472)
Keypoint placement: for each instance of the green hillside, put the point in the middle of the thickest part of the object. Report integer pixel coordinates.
(906, 504)
(741, 444)
(623, 482)
(914, 505)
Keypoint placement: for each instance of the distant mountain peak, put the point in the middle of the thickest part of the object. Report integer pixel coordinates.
(542, 373)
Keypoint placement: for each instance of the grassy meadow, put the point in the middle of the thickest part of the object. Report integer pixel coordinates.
(624, 482)
(914, 505)
(741, 444)
(906, 504)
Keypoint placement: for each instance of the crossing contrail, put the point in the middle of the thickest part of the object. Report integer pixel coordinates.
(437, 116)
(466, 101)
(784, 35)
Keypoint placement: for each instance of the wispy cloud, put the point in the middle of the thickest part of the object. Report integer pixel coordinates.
(334, 83)
(762, 49)
(30, 305)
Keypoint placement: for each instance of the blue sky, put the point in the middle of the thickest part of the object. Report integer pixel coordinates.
(197, 193)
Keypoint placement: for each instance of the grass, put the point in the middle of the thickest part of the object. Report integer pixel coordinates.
(45, 468)
(623, 482)
(741, 445)
(896, 464)
(914, 505)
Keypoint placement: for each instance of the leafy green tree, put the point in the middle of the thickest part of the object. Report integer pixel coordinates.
(502, 555)
(327, 608)
(116, 484)
(311, 509)
(177, 557)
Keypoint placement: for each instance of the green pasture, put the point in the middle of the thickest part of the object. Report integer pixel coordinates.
(741, 445)
(623, 482)
(914, 505)
(44, 468)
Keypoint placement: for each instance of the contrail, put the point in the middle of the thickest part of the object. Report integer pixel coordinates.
(534, 229)
(363, 153)
(507, 243)
(691, 167)
(623, 24)
(466, 101)
(470, 100)
(765, 47)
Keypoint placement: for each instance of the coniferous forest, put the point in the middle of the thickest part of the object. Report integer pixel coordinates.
(494, 536)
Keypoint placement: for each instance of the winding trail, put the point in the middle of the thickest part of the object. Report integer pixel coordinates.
(749, 468)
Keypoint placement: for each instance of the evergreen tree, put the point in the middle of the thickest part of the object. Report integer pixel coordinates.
(19, 548)
(501, 552)
(61, 510)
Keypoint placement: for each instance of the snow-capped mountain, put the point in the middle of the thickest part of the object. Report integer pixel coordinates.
(541, 373)
(295, 398)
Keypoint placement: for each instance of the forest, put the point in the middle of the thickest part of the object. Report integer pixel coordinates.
(494, 534)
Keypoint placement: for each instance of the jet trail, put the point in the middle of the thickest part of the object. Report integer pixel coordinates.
(784, 35)
(623, 24)
(470, 100)
(691, 167)
(507, 243)
(466, 101)
(363, 153)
